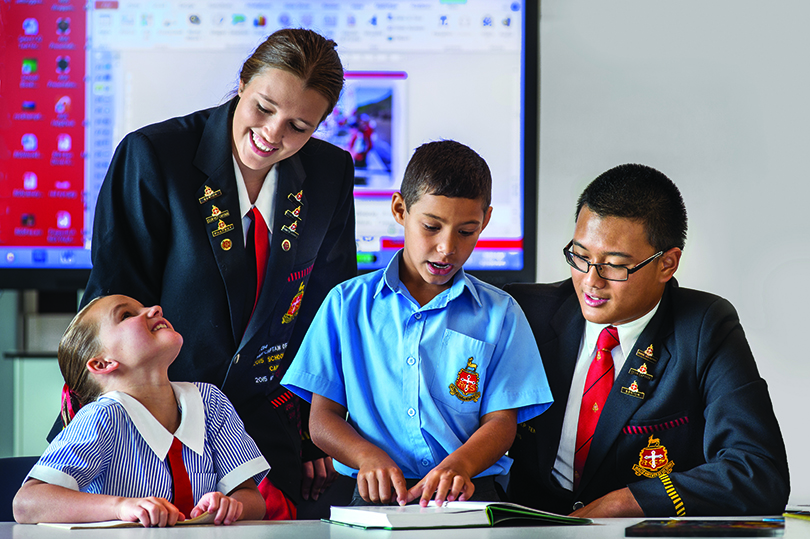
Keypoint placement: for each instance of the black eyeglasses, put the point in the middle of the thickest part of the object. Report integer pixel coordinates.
(608, 272)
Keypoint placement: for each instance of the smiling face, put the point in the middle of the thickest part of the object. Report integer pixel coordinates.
(135, 336)
(623, 242)
(274, 118)
(440, 235)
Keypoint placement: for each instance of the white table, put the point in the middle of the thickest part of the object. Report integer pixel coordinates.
(601, 529)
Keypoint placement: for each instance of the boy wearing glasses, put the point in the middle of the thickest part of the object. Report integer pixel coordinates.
(659, 409)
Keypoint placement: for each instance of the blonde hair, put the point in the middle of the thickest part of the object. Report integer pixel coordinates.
(78, 345)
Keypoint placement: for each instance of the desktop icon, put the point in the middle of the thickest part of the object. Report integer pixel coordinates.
(30, 27)
(63, 64)
(29, 181)
(63, 142)
(29, 142)
(62, 105)
(29, 66)
(63, 26)
(62, 219)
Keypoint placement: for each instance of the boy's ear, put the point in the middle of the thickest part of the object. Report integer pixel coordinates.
(398, 208)
(487, 217)
(100, 365)
(669, 264)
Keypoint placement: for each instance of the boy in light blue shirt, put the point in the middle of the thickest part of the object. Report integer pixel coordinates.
(434, 367)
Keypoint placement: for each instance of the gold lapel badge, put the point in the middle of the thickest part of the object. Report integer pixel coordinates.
(641, 372)
(633, 391)
(226, 244)
(209, 194)
(216, 213)
(647, 354)
(286, 244)
(294, 214)
(222, 228)
(297, 197)
(292, 229)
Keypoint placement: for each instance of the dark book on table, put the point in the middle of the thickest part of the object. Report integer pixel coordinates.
(762, 527)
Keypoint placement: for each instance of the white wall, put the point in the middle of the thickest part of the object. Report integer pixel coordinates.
(715, 94)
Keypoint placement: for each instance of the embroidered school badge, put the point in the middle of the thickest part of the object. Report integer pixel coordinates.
(465, 388)
(208, 194)
(647, 354)
(653, 460)
(295, 304)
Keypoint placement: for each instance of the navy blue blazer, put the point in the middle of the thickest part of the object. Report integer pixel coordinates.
(688, 398)
(168, 231)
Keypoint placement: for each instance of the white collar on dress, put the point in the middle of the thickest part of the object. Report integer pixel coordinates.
(192, 419)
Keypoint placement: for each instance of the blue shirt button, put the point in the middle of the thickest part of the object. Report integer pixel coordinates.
(425, 462)
(411, 412)
(411, 361)
(418, 316)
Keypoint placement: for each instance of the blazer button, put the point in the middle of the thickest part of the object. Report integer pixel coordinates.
(236, 359)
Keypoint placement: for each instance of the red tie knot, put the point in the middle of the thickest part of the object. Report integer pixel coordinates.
(608, 339)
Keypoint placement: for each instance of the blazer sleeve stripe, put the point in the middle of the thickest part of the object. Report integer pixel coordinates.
(680, 510)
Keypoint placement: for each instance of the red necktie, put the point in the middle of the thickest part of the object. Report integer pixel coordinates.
(262, 246)
(597, 387)
(183, 498)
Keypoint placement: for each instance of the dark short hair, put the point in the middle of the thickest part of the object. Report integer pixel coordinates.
(446, 168)
(640, 193)
(304, 53)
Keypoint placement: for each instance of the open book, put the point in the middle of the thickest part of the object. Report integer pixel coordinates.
(449, 515)
(205, 518)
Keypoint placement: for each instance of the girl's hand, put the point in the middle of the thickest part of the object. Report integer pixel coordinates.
(151, 511)
(227, 509)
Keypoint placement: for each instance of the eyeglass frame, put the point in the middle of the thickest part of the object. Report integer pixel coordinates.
(567, 251)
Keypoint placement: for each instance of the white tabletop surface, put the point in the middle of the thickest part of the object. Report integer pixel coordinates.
(601, 529)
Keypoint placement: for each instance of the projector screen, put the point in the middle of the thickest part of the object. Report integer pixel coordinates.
(76, 77)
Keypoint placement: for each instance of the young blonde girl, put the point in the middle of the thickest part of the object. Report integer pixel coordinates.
(110, 462)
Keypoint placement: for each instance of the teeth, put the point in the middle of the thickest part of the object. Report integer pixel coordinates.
(260, 144)
(160, 326)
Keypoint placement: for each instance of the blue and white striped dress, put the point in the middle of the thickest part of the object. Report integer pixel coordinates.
(115, 446)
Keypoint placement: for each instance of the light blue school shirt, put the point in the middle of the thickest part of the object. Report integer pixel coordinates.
(416, 381)
(115, 446)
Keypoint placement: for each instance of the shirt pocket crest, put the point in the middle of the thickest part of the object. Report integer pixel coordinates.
(460, 374)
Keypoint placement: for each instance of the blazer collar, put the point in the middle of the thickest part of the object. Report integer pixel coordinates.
(288, 228)
(630, 390)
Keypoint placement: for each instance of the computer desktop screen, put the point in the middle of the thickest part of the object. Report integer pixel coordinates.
(76, 77)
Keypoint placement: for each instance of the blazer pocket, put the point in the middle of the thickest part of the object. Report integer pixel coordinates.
(459, 375)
